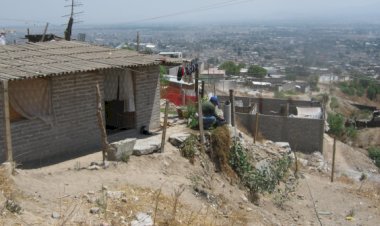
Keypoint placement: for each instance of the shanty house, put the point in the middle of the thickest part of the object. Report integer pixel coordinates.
(48, 97)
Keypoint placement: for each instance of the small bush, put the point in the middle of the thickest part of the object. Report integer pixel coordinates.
(334, 103)
(258, 181)
(374, 154)
(351, 132)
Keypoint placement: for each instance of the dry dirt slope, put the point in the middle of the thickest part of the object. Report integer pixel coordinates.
(133, 187)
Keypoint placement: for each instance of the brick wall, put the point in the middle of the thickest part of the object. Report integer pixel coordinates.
(2, 153)
(75, 129)
(147, 97)
(305, 135)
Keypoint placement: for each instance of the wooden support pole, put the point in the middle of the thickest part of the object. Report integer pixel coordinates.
(256, 127)
(44, 34)
(200, 122)
(232, 100)
(163, 138)
(196, 82)
(333, 160)
(7, 124)
(103, 132)
(203, 89)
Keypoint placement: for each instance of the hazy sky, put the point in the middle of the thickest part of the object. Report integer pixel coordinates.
(38, 12)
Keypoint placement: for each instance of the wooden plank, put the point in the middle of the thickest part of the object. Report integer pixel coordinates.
(7, 124)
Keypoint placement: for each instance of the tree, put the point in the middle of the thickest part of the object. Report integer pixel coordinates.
(257, 71)
(313, 82)
(230, 67)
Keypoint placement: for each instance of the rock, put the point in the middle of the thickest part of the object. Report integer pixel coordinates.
(244, 198)
(121, 149)
(142, 219)
(303, 162)
(177, 139)
(7, 168)
(249, 209)
(104, 224)
(55, 215)
(262, 165)
(283, 144)
(145, 147)
(91, 192)
(93, 167)
(95, 210)
(115, 194)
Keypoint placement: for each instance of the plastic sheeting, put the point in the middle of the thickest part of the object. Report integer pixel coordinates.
(118, 85)
(32, 99)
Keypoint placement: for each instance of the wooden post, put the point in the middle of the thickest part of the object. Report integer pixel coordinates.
(287, 110)
(232, 100)
(7, 124)
(44, 34)
(256, 127)
(196, 82)
(103, 132)
(203, 89)
(200, 122)
(333, 161)
(163, 139)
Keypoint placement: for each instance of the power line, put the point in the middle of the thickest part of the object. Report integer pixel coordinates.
(194, 10)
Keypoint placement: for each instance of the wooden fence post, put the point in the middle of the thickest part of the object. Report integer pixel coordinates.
(232, 100)
(333, 161)
(163, 138)
(7, 124)
(200, 123)
(256, 127)
(103, 132)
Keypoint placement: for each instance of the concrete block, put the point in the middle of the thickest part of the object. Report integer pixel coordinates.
(121, 149)
(145, 147)
(177, 139)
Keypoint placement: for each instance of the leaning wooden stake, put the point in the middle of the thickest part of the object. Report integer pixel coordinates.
(7, 124)
(333, 161)
(200, 122)
(103, 133)
(165, 125)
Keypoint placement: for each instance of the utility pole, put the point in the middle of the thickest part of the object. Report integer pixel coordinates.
(138, 42)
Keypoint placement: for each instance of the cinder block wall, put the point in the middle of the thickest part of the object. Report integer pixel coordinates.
(147, 97)
(75, 129)
(305, 135)
(268, 105)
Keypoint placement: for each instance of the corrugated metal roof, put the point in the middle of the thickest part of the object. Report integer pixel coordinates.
(62, 57)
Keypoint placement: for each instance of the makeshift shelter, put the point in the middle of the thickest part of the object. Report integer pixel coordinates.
(48, 97)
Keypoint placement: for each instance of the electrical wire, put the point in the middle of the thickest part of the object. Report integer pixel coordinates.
(194, 10)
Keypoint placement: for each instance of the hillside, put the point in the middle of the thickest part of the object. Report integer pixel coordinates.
(168, 189)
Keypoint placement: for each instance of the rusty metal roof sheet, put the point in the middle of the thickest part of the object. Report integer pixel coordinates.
(62, 57)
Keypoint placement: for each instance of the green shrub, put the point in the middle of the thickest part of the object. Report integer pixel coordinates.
(374, 154)
(334, 103)
(258, 181)
(351, 132)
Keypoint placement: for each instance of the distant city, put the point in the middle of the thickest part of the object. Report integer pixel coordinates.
(318, 49)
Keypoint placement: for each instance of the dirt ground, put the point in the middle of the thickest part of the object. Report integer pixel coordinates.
(65, 188)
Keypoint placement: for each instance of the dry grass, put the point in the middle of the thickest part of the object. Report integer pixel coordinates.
(220, 153)
(345, 179)
(166, 210)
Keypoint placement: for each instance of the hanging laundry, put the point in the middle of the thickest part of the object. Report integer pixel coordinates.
(179, 74)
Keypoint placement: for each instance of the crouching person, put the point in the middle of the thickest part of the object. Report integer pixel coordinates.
(212, 115)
